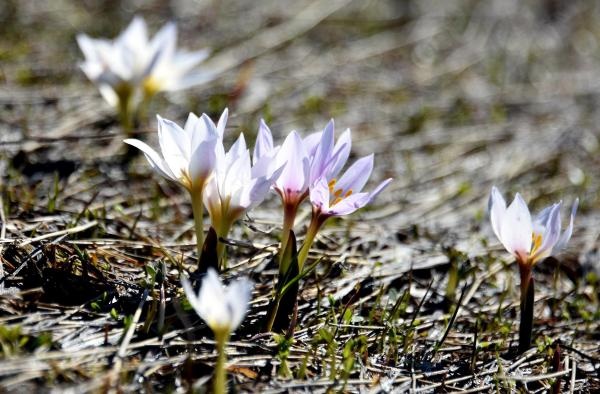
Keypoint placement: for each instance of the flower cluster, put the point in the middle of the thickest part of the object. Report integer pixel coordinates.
(230, 182)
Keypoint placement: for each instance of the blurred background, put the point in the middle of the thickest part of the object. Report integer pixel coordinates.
(451, 96)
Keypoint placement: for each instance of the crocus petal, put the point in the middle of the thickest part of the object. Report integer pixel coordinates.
(356, 201)
(294, 159)
(237, 179)
(238, 148)
(566, 235)
(381, 187)
(190, 124)
(323, 154)
(341, 152)
(237, 182)
(201, 130)
(355, 178)
(264, 142)
(136, 33)
(238, 295)
(202, 162)
(319, 194)
(132, 46)
(258, 192)
(161, 51)
(156, 162)
(516, 230)
(497, 209)
(174, 146)
(349, 204)
(88, 47)
(109, 95)
(212, 298)
(190, 79)
(165, 40)
(551, 234)
(173, 139)
(222, 122)
(191, 294)
(311, 142)
(212, 200)
(185, 61)
(542, 217)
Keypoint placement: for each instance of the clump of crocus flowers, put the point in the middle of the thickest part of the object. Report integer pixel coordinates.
(529, 240)
(132, 68)
(309, 169)
(229, 183)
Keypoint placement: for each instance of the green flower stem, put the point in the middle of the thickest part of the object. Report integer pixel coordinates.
(273, 313)
(315, 224)
(220, 374)
(527, 301)
(222, 232)
(198, 210)
(289, 216)
(124, 94)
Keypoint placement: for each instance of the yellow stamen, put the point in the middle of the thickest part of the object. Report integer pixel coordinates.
(536, 239)
(332, 185)
(336, 200)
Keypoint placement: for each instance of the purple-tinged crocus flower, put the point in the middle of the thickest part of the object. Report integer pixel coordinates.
(310, 168)
(332, 197)
(529, 240)
(188, 157)
(302, 162)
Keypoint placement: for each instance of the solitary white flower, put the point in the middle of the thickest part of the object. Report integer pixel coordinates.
(222, 308)
(132, 66)
(188, 157)
(528, 239)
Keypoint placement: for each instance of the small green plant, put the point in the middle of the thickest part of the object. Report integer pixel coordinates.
(284, 344)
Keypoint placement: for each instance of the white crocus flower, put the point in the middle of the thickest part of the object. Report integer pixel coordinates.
(528, 239)
(223, 309)
(133, 67)
(188, 156)
(236, 187)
